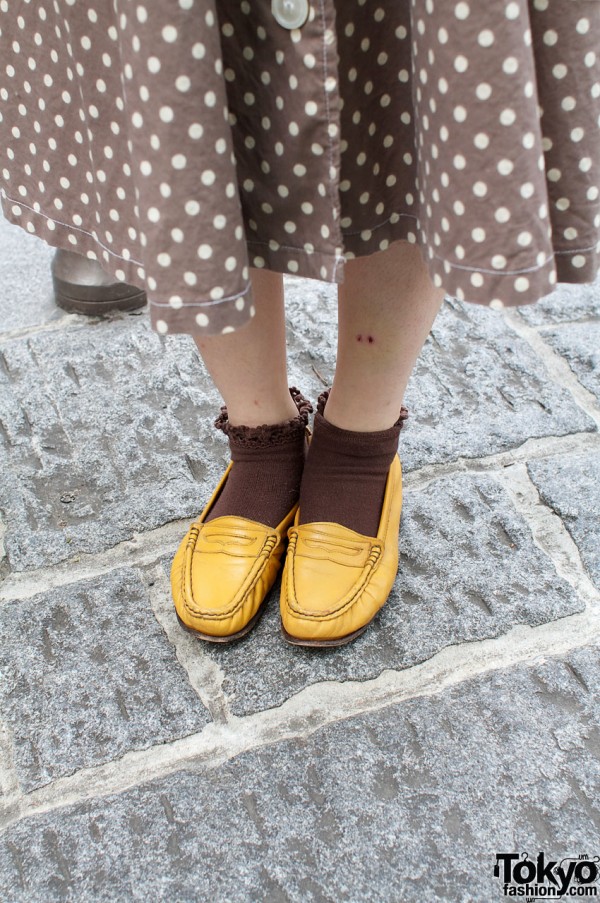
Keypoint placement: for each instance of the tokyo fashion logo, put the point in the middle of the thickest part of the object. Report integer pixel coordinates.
(544, 878)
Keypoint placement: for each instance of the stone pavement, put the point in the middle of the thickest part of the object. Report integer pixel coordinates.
(137, 763)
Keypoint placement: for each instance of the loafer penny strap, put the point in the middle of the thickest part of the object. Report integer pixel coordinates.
(334, 542)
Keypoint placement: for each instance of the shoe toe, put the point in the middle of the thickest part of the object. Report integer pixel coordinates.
(330, 585)
(221, 573)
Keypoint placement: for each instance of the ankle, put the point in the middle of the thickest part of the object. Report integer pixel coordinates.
(264, 412)
(373, 420)
(268, 431)
(349, 414)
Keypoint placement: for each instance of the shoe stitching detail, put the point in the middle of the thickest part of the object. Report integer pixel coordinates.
(375, 556)
(243, 593)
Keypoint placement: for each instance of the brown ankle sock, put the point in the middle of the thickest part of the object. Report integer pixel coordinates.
(345, 473)
(264, 482)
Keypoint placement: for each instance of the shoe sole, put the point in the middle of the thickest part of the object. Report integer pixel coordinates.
(339, 641)
(209, 638)
(98, 308)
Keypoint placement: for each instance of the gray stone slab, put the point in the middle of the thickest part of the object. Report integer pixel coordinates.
(477, 388)
(105, 431)
(26, 293)
(410, 803)
(579, 344)
(567, 303)
(570, 485)
(469, 569)
(88, 675)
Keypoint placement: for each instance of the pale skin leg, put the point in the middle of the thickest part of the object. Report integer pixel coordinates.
(386, 307)
(249, 366)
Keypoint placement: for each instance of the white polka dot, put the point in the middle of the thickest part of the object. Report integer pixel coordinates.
(483, 91)
(169, 33)
(183, 83)
(507, 116)
(505, 167)
(486, 37)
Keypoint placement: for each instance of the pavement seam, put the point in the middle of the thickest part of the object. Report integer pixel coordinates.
(559, 371)
(549, 532)
(144, 549)
(311, 709)
(552, 327)
(11, 796)
(531, 450)
(4, 568)
(203, 672)
(9, 781)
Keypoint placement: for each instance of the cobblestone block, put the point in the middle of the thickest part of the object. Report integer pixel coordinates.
(411, 802)
(104, 432)
(567, 303)
(477, 388)
(570, 485)
(88, 675)
(469, 569)
(579, 344)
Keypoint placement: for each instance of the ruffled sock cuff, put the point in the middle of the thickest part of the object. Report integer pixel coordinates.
(267, 434)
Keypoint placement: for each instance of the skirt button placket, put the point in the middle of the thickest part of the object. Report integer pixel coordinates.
(290, 13)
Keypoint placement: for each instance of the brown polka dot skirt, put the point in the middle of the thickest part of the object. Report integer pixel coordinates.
(182, 143)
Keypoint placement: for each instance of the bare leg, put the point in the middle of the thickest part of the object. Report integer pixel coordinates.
(249, 366)
(386, 307)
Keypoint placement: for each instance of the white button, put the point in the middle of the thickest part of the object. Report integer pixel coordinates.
(290, 13)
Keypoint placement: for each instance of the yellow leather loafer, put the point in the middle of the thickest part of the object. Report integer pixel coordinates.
(335, 580)
(224, 569)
